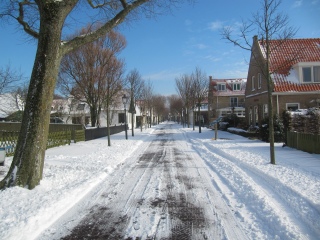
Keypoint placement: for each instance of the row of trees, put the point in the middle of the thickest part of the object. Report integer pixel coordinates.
(47, 22)
(193, 90)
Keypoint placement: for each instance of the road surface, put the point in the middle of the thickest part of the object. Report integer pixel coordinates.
(162, 191)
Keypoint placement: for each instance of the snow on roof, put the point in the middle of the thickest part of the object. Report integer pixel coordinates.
(284, 55)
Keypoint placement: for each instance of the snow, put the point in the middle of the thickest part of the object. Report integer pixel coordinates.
(279, 201)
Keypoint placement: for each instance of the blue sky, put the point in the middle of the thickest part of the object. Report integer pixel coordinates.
(162, 49)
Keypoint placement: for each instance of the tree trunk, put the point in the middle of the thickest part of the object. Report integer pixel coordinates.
(132, 124)
(199, 118)
(108, 125)
(27, 166)
(93, 114)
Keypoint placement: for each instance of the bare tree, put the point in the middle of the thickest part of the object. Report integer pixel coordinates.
(136, 85)
(114, 88)
(175, 106)
(200, 86)
(159, 105)
(184, 88)
(269, 25)
(8, 78)
(45, 22)
(83, 72)
(147, 99)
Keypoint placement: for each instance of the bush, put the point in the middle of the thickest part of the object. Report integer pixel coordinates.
(232, 119)
(279, 133)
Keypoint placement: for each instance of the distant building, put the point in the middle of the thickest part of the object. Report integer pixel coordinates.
(226, 96)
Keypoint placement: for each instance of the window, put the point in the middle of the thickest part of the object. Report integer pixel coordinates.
(256, 115)
(236, 86)
(81, 106)
(252, 83)
(316, 74)
(221, 87)
(234, 102)
(311, 74)
(292, 106)
(259, 80)
(250, 116)
(265, 110)
(306, 74)
(121, 118)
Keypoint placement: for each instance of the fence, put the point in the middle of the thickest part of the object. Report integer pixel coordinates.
(304, 141)
(8, 140)
(53, 127)
(59, 134)
(93, 133)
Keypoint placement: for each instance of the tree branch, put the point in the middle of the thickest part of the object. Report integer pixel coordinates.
(105, 28)
(20, 19)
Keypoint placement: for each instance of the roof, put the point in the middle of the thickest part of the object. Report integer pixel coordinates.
(229, 90)
(284, 54)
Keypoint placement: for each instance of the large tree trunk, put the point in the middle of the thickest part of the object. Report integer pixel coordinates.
(27, 167)
(94, 116)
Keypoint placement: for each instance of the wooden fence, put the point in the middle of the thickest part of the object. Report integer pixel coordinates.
(304, 141)
(59, 134)
(8, 140)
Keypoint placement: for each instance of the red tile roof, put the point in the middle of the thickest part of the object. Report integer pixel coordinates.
(284, 54)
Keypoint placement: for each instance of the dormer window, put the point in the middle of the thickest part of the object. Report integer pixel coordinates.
(309, 72)
(236, 86)
(221, 87)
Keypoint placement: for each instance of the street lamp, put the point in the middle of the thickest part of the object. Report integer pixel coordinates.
(125, 101)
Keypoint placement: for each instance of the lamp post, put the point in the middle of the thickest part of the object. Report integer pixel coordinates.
(125, 101)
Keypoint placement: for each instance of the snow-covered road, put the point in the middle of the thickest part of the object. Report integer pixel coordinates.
(168, 182)
(162, 191)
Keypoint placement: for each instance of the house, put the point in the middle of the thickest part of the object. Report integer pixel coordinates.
(202, 117)
(226, 96)
(294, 68)
(73, 111)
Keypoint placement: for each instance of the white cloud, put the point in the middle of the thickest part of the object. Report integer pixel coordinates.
(201, 46)
(215, 25)
(212, 58)
(162, 75)
(297, 3)
(314, 2)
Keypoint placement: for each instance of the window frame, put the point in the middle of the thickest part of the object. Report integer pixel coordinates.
(314, 68)
(236, 86)
(219, 87)
(297, 104)
(259, 81)
(237, 102)
(252, 83)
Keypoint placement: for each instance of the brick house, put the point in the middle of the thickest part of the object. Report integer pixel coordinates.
(295, 71)
(226, 96)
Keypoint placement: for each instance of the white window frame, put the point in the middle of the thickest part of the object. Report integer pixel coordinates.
(265, 110)
(233, 102)
(312, 65)
(252, 83)
(236, 86)
(259, 80)
(220, 85)
(292, 104)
